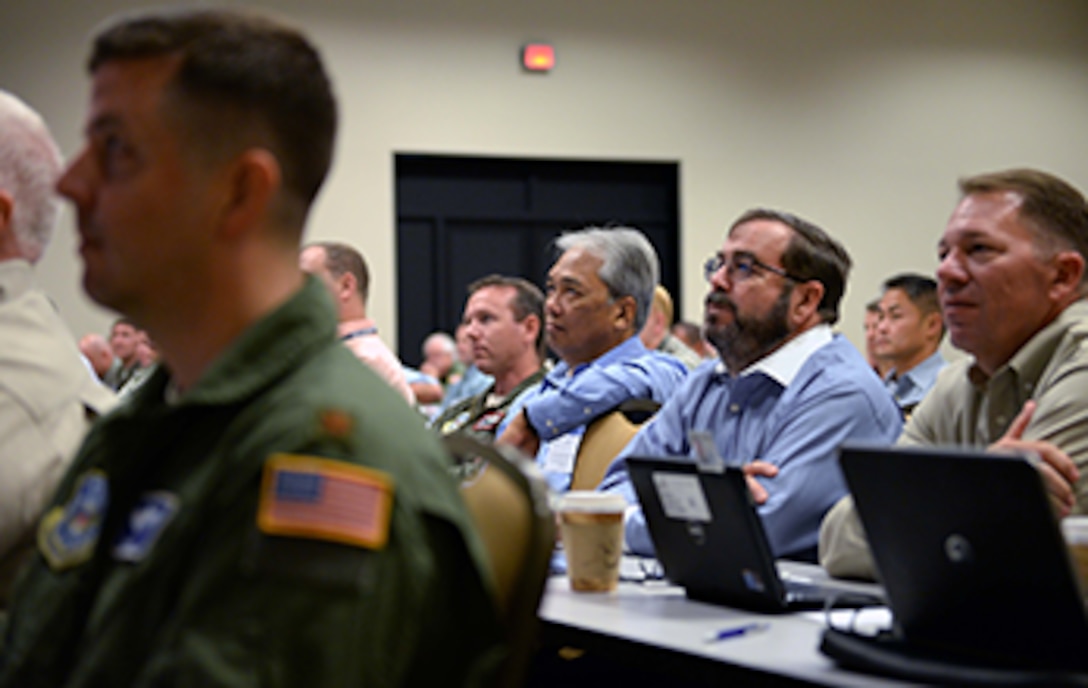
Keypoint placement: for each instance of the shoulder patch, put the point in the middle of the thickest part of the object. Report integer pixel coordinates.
(336, 423)
(67, 534)
(325, 499)
(454, 424)
(152, 513)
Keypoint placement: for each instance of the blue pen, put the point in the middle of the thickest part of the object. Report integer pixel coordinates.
(737, 631)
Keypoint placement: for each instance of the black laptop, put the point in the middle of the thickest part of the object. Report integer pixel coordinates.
(970, 554)
(710, 540)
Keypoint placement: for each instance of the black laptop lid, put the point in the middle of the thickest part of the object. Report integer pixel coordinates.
(708, 537)
(970, 554)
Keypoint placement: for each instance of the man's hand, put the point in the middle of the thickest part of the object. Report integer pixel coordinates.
(1059, 472)
(762, 469)
(520, 434)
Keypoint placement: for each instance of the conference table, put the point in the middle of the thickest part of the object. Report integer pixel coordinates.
(653, 625)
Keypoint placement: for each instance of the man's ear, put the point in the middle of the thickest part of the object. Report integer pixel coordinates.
(345, 286)
(254, 180)
(933, 325)
(9, 244)
(806, 301)
(7, 209)
(531, 323)
(625, 312)
(1068, 273)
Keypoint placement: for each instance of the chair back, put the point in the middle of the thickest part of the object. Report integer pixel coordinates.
(605, 437)
(509, 506)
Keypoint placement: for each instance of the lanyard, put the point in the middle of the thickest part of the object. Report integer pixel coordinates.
(359, 333)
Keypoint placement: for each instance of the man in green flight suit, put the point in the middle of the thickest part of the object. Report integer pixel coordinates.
(264, 511)
(504, 320)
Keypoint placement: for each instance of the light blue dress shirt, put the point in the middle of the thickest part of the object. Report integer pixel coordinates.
(414, 375)
(909, 388)
(568, 398)
(792, 409)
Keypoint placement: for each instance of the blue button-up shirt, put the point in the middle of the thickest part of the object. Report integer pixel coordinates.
(792, 409)
(909, 388)
(568, 398)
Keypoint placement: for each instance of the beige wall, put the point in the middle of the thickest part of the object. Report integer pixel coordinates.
(857, 114)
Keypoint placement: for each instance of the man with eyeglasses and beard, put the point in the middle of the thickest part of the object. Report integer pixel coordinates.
(787, 391)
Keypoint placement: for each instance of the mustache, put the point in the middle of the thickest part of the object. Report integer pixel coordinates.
(717, 298)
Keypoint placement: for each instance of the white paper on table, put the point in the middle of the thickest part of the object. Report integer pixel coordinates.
(867, 621)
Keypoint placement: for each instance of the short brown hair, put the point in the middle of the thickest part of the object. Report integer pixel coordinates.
(1052, 207)
(341, 258)
(243, 80)
(810, 255)
(528, 300)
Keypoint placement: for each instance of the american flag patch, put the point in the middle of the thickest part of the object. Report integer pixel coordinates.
(324, 499)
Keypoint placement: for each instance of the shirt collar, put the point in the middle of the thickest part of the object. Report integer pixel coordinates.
(1031, 359)
(920, 374)
(362, 325)
(271, 348)
(16, 278)
(782, 364)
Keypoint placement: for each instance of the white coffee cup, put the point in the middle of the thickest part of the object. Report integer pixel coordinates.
(591, 525)
(1075, 530)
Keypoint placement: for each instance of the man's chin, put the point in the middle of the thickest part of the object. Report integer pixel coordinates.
(962, 338)
(100, 293)
(721, 341)
(484, 367)
(92, 287)
(554, 340)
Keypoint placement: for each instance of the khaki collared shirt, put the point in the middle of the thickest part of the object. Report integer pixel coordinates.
(47, 401)
(966, 408)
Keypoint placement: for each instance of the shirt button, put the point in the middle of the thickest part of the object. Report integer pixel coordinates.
(734, 408)
(587, 411)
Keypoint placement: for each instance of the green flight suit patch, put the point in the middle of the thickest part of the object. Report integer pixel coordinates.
(68, 534)
(336, 424)
(152, 513)
(454, 424)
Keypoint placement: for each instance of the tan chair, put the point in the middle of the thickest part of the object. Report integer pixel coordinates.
(509, 505)
(604, 438)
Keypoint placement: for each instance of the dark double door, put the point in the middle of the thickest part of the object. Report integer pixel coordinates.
(460, 218)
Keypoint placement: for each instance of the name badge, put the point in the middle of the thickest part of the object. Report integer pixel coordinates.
(559, 454)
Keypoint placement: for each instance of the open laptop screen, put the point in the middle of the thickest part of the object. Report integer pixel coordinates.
(970, 553)
(709, 539)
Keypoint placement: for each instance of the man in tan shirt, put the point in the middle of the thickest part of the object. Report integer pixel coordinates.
(1011, 282)
(47, 395)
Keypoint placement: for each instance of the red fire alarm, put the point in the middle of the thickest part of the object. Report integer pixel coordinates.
(538, 57)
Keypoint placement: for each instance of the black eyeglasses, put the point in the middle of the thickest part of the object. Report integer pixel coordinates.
(741, 266)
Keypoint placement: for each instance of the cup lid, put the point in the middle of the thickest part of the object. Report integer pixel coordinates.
(591, 501)
(1075, 526)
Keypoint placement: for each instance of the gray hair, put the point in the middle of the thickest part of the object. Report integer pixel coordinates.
(629, 267)
(29, 166)
(448, 345)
